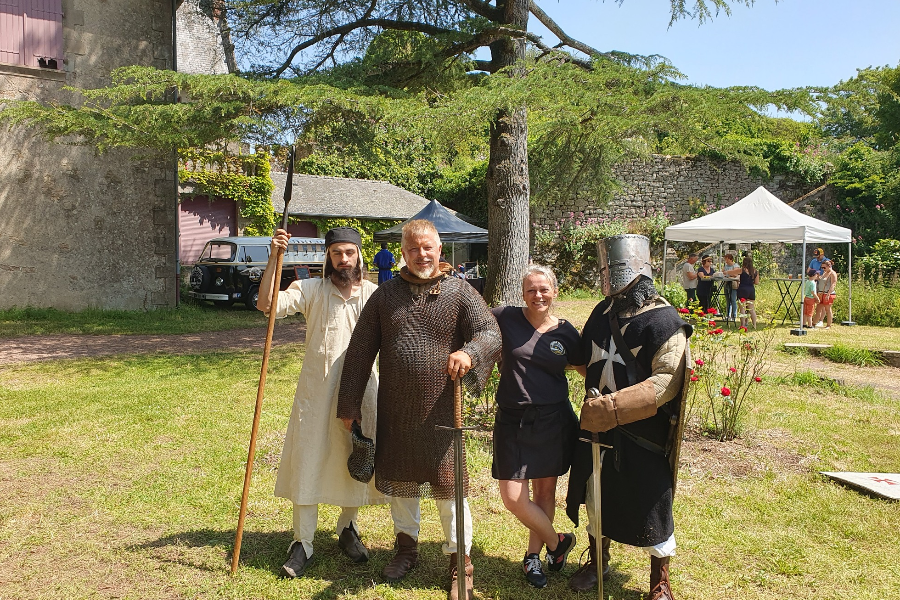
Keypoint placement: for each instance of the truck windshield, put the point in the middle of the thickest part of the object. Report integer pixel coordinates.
(218, 251)
(255, 254)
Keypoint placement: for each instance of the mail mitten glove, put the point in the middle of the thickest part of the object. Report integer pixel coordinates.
(625, 406)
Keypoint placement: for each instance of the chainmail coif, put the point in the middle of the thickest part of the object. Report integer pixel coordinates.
(640, 294)
(413, 334)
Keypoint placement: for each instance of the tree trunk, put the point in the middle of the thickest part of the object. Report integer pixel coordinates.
(508, 188)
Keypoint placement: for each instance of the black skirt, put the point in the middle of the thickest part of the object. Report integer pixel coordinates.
(534, 442)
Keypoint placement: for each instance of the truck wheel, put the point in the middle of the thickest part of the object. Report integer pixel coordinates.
(252, 297)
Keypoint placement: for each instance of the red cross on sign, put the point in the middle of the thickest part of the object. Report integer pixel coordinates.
(883, 480)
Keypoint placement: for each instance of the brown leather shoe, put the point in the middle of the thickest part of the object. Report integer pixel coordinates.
(470, 579)
(659, 579)
(405, 559)
(585, 578)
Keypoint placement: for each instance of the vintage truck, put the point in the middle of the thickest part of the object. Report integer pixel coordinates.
(230, 268)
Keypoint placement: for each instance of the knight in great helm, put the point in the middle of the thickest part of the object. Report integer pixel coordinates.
(637, 349)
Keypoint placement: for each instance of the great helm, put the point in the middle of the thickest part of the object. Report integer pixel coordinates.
(622, 259)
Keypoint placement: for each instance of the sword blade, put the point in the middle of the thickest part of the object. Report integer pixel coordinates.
(598, 540)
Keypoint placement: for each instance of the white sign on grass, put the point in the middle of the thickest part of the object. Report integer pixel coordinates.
(886, 485)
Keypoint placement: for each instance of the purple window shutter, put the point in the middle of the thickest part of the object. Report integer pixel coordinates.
(11, 32)
(43, 32)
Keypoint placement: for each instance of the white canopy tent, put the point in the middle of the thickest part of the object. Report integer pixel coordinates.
(762, 217)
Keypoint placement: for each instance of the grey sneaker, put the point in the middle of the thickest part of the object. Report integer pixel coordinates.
(297, 563)
(352, 546)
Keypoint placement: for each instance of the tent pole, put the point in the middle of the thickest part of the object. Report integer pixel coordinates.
(665, 248)
(849, 320)
(802, 286)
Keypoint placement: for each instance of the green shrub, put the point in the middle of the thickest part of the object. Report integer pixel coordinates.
(860, 357)
(673, 293)
(882, 261)
(874, 303)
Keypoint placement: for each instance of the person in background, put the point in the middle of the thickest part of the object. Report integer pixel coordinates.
(731, 269)
(746, 292)
(826, 290)
(810, 298)
(689, 278)
(817, 260)
(384, 260)
(535, 429)
(705, 283)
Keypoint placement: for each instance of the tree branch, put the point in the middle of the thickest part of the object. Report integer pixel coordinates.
(550, 24)
(360, 24)
(482, 9)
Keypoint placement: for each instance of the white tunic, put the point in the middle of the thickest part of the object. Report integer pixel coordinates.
(313, 466)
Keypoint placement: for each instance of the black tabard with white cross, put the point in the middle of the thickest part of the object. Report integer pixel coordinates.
(637, 479)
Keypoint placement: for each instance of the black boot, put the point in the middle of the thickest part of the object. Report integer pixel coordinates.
(659, 579)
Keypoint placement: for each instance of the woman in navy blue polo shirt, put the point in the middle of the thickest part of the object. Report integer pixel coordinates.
(536, 428)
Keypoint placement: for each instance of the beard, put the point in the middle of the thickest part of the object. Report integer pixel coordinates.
(422, 274)
(347, 276)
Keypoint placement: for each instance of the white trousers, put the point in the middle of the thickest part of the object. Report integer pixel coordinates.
(661, 550)
(306, 517)
(406, 514)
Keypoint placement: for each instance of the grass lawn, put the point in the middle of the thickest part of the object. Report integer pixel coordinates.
(121, 478)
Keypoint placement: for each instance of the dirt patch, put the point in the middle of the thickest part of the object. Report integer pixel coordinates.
(35, 348)
(763, 451)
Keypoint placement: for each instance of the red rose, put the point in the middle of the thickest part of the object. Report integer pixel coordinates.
(726, 391)
(692, 371)
(684, 311)
(712, 323)
(742, 328)
(699, 362)
(743, 300)
(720, 330)
(694, 378)
(712, 311)
(758, 379)
(732, 369)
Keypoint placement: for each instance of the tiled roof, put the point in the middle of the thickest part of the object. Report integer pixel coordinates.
(320, 196)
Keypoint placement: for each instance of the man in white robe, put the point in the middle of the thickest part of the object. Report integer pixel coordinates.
(313, 468)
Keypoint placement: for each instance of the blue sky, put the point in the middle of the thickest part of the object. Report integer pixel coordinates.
(772, 45)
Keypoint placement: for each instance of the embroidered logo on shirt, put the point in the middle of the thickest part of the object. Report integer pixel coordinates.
(556, 347)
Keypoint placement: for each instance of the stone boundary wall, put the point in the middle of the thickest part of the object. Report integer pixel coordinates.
(666, 184)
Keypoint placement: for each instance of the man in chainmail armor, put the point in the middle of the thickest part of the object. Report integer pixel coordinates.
(638, 348)
(423, 326)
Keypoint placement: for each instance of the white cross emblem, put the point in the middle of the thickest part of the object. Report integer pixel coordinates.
(612, 356)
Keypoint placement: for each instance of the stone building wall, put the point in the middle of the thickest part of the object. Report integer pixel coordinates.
(666, 184)
(78, 229)
(200, 48)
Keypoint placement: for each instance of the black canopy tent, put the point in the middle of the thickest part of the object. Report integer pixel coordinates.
(450, 227)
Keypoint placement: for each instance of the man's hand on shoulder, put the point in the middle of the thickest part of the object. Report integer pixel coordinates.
(458, 364)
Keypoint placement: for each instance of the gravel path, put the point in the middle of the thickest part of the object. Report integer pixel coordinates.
(34, 348)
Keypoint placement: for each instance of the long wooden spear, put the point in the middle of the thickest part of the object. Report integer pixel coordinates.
(273, 308)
